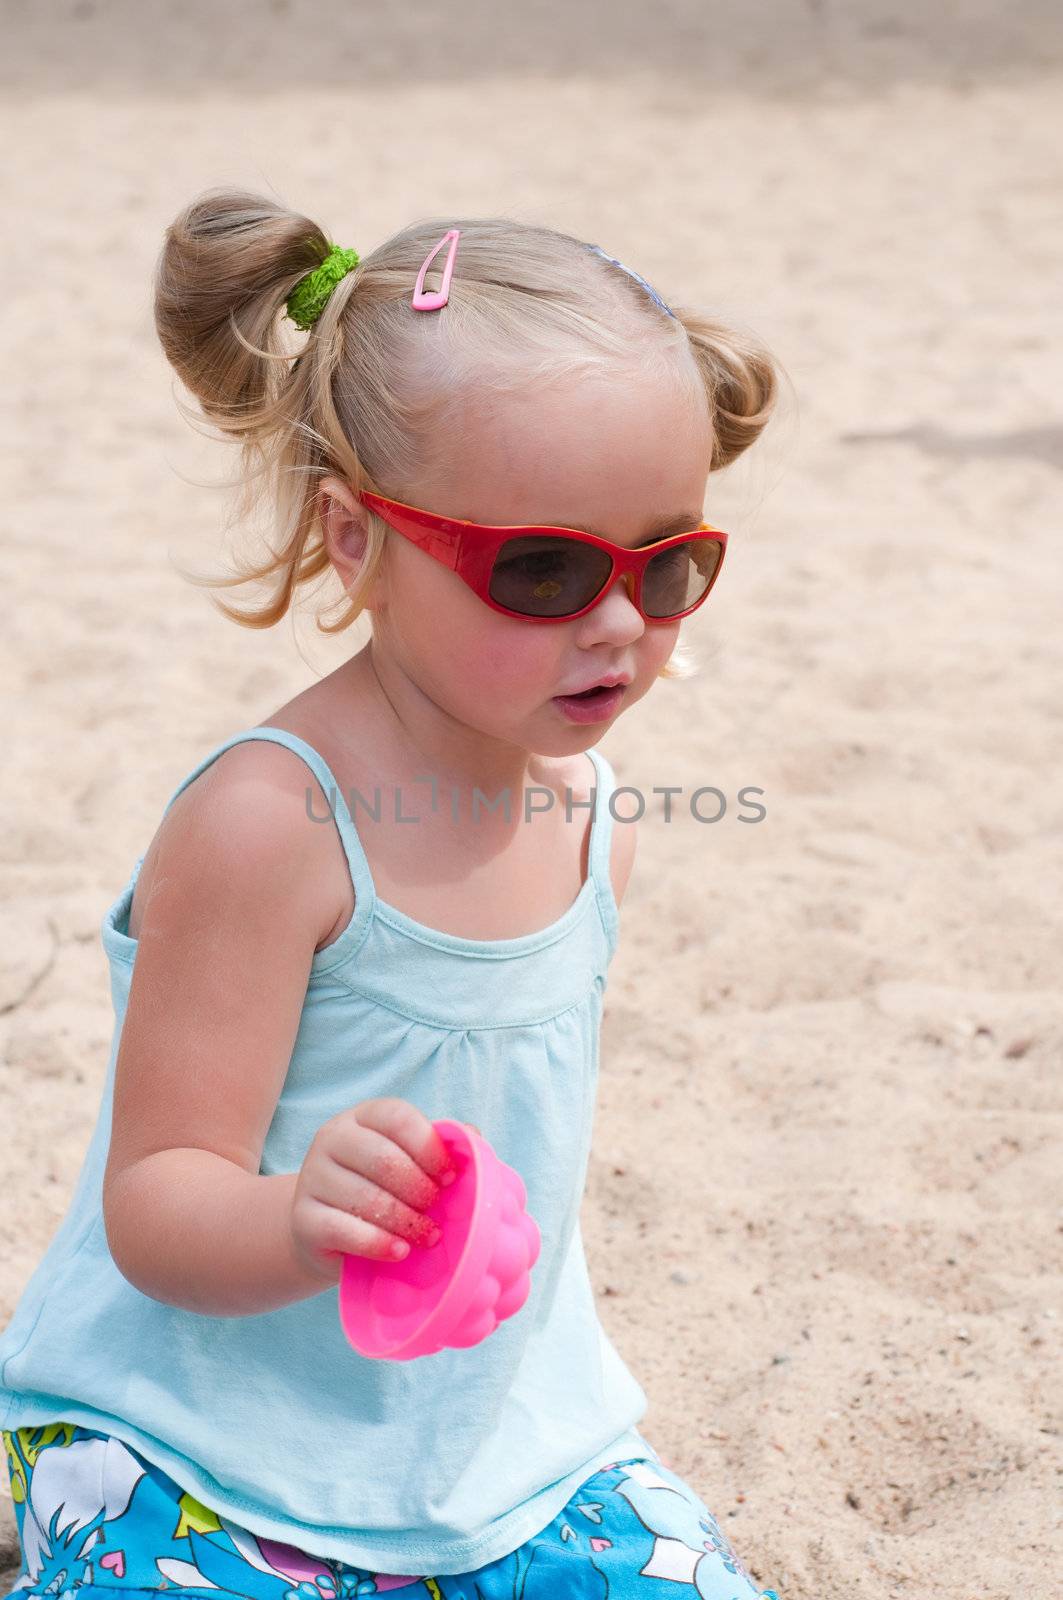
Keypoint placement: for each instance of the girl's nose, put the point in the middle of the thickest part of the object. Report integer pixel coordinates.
(627, 580)
(622, 623)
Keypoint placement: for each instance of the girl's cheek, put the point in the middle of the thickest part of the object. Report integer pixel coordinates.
(519, 657)
(658, 645)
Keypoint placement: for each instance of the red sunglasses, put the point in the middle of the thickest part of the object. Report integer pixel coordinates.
(547, 574)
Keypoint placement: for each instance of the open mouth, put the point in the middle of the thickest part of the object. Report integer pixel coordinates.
(593, 705)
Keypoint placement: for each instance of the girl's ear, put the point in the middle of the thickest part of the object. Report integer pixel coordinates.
(344, 527)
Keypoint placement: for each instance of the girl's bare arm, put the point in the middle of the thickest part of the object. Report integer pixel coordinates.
(225, 944)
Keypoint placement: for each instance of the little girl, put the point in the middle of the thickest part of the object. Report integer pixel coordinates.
(499, 439)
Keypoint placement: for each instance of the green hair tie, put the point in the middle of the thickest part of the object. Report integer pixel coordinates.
(310, 296)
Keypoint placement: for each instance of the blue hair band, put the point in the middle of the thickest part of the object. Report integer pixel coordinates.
(650, 290)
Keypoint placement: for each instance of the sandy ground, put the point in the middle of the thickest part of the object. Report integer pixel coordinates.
(823, 1211)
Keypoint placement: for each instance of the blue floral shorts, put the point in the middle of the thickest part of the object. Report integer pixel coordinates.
(94, 1516)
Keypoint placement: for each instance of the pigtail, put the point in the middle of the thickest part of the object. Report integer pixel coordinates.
(228, 265)
(741, 380)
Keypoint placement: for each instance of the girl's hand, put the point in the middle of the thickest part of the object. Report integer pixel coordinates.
(366, 1179)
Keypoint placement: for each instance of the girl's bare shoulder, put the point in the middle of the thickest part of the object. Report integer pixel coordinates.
(258, 795)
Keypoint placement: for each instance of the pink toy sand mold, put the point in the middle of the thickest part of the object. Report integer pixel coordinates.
(455, 1292)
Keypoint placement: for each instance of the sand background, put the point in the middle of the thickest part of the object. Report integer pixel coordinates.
(823, 1210)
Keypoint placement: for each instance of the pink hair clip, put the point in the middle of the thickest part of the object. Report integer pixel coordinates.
(433, 301)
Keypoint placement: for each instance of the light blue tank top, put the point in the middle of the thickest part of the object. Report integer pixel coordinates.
(437, 1465)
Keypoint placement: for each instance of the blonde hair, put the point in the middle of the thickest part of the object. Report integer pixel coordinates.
(366, 396)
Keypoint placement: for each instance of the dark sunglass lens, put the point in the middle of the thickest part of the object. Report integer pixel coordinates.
(679, 577)
(547, 577)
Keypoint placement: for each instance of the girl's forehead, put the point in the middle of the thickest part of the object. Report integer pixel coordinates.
(579, 430)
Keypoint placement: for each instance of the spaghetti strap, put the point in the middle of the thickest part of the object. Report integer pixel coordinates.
(361, 876)
(601, 840)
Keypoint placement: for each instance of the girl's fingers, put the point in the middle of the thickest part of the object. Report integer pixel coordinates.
(342, 1234)
(367, 1149)
(359, 1197)
(406, 1126)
